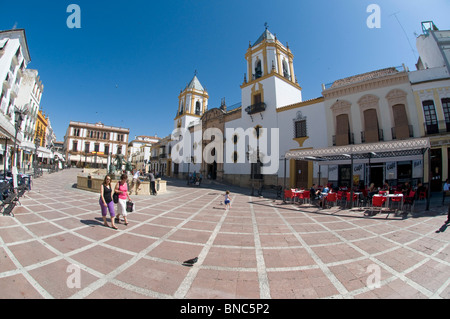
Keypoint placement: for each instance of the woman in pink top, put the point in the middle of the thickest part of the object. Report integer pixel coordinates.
(122, 190)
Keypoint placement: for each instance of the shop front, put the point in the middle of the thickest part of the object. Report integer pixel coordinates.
(357, 166)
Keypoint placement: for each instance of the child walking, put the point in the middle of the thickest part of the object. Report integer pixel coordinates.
(227, 200)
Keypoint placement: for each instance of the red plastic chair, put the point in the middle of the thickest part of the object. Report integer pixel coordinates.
(409, 200)
(377, 203)
(397, 200)
(288, 193)
(331, 198)
(355, 197)
(306, 196)
(340, 196)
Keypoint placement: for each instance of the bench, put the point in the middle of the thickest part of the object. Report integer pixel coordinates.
(21, 190)
(8, 204)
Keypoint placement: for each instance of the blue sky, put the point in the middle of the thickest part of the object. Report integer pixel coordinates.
(129, 61)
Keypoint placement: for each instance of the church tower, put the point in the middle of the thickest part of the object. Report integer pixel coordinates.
(270, 81)
(192, 104)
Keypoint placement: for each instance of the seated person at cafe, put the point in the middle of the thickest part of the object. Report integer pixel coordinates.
(386, 186)
(406, 188)
(372, 190)
(420, 189)
(322, 195)
(312, 191)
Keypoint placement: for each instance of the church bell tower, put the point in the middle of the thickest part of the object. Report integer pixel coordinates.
(192, 104)
(270, 80)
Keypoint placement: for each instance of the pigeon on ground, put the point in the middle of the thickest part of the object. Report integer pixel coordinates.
(190, 262)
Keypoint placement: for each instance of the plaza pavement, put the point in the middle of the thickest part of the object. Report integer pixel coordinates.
(261, 248)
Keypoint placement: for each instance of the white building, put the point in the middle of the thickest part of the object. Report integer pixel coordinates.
(31, 89)
(14, 58)
(433, 46)
(139, 151)
(373, 107)
(431, 87)
(91, 145)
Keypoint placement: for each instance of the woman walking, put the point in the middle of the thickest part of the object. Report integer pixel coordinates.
(122, 190)
(106, 202)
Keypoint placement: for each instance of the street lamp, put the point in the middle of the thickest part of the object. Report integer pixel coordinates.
(20, 114)
(37, 142)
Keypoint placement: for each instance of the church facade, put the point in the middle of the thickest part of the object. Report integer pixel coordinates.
(245, 145)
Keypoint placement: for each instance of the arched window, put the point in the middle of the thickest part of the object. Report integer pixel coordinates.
(258, 69)
(286, 70)
(181, 109)
(197, 108)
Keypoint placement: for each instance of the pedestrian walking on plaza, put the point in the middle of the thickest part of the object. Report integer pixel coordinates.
(106, 202)
(448, 215)
(445, 190)
(122, 190)
(227, 200)
(151, 176)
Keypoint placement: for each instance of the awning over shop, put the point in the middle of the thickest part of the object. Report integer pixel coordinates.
(397, 150)
(44, 153)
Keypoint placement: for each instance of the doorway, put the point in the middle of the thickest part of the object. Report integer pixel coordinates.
(377, 175)
(301, 169)
(212, 171)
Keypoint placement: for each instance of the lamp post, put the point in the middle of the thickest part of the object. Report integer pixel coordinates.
(37, 141)
(20, 114)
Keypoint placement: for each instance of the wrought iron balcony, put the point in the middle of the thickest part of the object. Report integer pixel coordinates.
(256, 108)
(344, 139)
(365, 134)
(437, 127)
(401, 132)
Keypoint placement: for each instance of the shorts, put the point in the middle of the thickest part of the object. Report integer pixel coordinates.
(227, 202)
(110, 207)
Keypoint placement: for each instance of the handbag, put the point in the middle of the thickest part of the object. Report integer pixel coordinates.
(115, 198)
(130, 206)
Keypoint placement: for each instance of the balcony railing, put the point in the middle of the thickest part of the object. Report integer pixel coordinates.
(15, 90)
(438, 127)
(9, 80)
(256, 108)
(402, 132)
(343, 139)
(366, 133)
